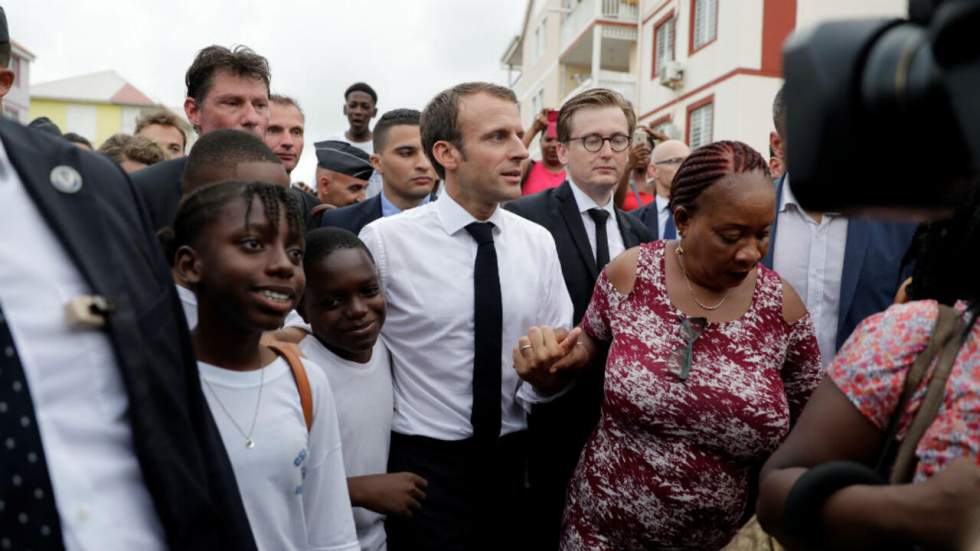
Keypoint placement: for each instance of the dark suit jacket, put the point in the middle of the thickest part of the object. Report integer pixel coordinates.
(647, 214)
(872, 270)
(556, 210)
(108, 236)
(353, 217)
(159, 186)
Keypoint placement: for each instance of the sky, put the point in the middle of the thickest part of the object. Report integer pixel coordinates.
(408, 50)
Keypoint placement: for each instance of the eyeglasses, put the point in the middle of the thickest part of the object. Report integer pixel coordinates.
(680, 359)
(594, 142)
(671, 161)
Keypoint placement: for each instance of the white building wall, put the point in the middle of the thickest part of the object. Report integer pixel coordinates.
(809, 12)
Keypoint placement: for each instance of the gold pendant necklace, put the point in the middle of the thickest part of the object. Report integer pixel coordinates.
(690, 290)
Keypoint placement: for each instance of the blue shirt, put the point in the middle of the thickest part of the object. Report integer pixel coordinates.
(388, 208)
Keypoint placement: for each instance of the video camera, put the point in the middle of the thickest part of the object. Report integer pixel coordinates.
(883, 116)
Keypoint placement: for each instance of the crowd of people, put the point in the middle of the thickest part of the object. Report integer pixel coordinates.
(442, 344)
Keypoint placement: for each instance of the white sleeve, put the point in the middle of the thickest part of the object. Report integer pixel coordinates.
(556, 311)
(326, 503)
(372, 240)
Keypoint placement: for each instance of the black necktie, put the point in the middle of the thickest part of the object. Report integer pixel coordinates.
(28, 516)
(488, 341)
(600, 216)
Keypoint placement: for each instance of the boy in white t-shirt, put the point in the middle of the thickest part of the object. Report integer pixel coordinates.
(345, 308)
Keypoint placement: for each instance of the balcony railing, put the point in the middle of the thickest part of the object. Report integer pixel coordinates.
(584, 12)
(624, 83)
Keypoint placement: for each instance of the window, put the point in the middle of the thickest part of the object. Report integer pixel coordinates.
(704, 23)
(535, 105)
(663, 43)
(15, 67)
(700, 119)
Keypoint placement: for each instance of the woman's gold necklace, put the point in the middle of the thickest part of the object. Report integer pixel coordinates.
(690, 289)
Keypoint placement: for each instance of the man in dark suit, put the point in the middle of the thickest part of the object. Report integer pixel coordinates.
(844, 269)
(225, 89)
(407, 174)
(594, 130)
(665, 159)
(109, 441)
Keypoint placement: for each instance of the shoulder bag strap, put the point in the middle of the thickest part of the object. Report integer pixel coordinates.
(947, 324)
(905, 460)
(302, 381)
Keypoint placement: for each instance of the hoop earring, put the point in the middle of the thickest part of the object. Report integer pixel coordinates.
(680, 248)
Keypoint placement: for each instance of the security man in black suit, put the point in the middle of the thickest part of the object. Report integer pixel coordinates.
(89, 215)
(594, 130)
(217, 73)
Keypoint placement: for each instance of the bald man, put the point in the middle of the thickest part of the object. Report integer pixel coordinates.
(664, 161)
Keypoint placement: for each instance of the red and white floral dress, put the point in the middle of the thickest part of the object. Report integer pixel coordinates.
(670, 464)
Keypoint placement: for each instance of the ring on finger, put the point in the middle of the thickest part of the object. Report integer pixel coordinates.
(526, 347)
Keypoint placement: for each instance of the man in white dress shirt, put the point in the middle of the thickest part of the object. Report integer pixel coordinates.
(464, 279)
(665, 159)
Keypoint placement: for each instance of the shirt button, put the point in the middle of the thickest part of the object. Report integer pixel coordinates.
(82, 514)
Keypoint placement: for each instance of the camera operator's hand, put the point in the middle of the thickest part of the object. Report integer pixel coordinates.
(944, 506)
(540, 121)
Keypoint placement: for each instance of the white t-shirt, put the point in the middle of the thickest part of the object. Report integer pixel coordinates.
(189, 301)
(374, 183)
(292, 481)
(365, 404)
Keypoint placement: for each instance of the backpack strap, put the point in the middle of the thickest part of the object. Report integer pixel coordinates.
(302, 381)
(947, 336)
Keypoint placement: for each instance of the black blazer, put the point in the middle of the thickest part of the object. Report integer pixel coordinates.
(556, 210)
(106, 233)
(353, 217)
(159, 186)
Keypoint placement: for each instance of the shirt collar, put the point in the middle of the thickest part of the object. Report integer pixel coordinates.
(585, 203)
(454, 217)
(390, 209)
(662, 203)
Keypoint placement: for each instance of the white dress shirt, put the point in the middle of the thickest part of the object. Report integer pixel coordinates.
(426, 261)
(80, 402)
(586, 203)
(810, 256)
(663, 213)
(188, 300)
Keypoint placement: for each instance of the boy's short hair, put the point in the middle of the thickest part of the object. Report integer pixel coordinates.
(323, 241)
(221, 151)
(361, 87)
(161, 117)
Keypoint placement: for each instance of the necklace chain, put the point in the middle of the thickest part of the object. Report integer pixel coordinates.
(690, 290)
(249, 443)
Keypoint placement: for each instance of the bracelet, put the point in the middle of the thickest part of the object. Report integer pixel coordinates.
(801, 516)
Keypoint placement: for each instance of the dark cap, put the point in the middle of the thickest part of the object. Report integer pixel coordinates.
(344, 158)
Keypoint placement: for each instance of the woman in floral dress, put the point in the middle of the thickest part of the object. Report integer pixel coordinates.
(711, 357)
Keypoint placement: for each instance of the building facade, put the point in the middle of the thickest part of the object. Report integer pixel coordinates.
(697, 70)
(95, 106)
(17, 103)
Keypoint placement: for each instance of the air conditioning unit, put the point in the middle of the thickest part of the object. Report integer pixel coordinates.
(672, 75)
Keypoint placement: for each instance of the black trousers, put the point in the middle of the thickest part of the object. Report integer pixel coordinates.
(475, 500)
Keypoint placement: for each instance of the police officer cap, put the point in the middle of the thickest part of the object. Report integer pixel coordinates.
(342, 157)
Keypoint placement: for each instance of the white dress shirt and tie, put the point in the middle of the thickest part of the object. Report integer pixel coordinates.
(810, 256)
(429, 259)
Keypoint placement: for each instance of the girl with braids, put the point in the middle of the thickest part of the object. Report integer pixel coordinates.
(711, 357)
(239, 246)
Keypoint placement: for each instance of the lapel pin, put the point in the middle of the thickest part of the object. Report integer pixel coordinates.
(66, 179)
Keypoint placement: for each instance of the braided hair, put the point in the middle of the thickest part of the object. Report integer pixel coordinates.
(200, 208)
(707, 165)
